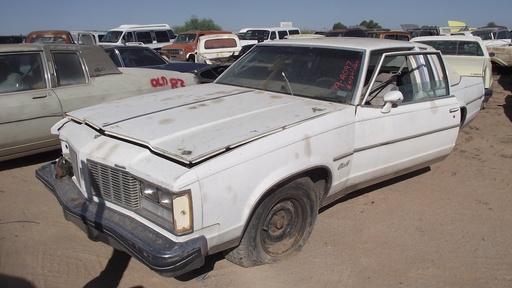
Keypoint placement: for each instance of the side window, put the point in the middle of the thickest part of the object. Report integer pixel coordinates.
(86, 39)
(19, 72)
(282, 34)
(162, 36)
(128, 37)
(113, 55)
(144, 37)
(418, 77)
(273, 35)
(427, 78)
(68, 68)
(293, 32)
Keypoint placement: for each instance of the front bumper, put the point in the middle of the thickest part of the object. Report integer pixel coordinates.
(122, 232)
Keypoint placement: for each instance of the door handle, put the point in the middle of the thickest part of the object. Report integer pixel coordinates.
(40, 96)
(453, 110)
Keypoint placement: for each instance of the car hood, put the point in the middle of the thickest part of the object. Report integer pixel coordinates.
(194, 123)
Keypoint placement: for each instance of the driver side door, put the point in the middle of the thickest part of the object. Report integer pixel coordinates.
(399, 136)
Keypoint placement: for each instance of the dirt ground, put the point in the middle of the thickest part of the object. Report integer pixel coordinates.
(446, 226)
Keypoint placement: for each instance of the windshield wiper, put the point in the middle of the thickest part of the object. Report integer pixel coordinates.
(287, 82)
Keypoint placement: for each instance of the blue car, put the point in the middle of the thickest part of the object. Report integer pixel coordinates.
(142, 56)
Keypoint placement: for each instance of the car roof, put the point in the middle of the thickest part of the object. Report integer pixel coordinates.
(343, 42)
(108, 47)
(447, 38)
(98, 62)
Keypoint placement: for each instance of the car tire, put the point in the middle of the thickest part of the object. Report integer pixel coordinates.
(279, 227)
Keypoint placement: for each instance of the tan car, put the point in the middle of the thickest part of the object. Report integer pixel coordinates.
(467, 55)
(40, 83)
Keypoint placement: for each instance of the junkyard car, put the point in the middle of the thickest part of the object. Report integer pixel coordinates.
(217, 48)
(50, 36)
(467, 55)
(39, 83)
(389, 34)
(243, 164)
(142, 56)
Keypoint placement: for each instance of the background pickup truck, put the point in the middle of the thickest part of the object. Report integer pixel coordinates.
(39, 83)
(243, 165)
(217, 48)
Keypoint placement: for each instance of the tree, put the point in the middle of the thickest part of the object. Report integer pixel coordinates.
(195, 23)
(370, 25)
(338, 25)
(491, 24)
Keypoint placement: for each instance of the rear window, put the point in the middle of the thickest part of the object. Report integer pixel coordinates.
(220, 43)
(462, 48)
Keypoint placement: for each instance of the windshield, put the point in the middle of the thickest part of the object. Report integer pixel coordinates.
(185, 38)
(112, 36)
(320, 73)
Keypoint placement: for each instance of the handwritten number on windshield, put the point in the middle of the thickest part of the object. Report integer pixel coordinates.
(347, 76)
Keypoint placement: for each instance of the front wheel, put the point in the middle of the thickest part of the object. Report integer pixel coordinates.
(280, 226)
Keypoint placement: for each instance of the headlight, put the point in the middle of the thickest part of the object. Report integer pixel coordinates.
(168, 204)
(149, 191)
(165, 198)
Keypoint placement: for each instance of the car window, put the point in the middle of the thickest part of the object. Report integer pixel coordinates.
(86, 39)
(417, 77)
(319, 73)
(19, 72)
(69, 69)
(282, 34)
(466, 48)
(140, 57)
(113, 55)
(162, 36)
(144, 37)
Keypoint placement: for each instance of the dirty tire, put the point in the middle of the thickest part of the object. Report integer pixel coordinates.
(279, 227)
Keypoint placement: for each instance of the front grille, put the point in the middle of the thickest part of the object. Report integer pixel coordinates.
(114, 185)
(175, 52)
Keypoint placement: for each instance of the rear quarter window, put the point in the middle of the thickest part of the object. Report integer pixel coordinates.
(69, 69)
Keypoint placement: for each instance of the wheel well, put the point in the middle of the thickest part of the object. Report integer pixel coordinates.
(320, 176)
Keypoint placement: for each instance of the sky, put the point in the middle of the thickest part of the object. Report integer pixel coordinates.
(21, 17)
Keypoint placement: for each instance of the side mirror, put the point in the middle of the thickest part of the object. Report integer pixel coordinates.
(390, 98)
(492, 54)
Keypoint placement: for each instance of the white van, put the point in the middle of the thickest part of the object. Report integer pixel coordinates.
(255, 35)
(152, 35)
